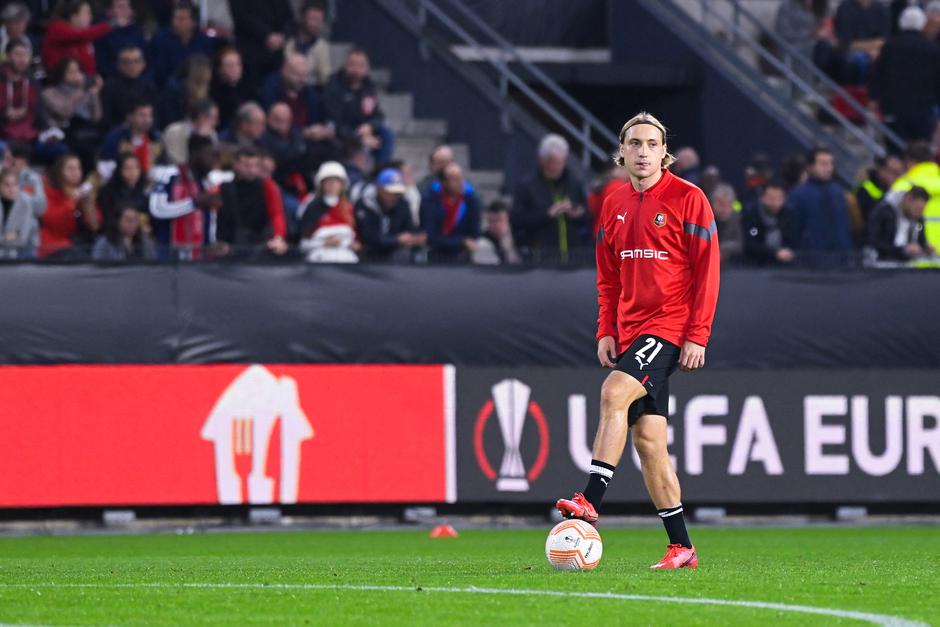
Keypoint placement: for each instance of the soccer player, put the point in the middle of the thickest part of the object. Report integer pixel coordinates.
(657, 287)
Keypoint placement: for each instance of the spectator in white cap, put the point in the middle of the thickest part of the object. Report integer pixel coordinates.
(327, 225)
(384, 219)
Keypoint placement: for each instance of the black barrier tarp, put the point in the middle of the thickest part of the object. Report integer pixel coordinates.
(212, 313)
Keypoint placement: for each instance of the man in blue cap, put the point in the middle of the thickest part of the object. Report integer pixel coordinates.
(383, 219)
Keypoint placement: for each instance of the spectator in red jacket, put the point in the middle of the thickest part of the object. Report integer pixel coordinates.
(19, 96)
(70, 34)
(70, 208)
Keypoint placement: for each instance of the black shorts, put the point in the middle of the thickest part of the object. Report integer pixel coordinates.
(650, 360)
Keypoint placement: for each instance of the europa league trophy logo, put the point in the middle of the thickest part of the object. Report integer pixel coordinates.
(511, 398)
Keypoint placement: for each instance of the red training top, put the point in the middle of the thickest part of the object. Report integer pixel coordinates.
(64, 40)
(657, 263)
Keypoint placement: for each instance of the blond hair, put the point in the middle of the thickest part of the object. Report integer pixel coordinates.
(644, 118)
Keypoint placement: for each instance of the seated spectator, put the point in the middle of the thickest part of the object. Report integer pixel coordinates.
(767, 227)
(124, 238)
(70, 216)
(70, 34)
(184, 204)
(450, 214)
(172, 45)
(358, 163)
(128, 187)
(289, 86)
(861, 27)
(327, 226)
(384, 219)
(896, 228)
(219, 19)
(496, 245)
(129, 85)
(727, 220)
(252, 215)
(288, 148)
(19, 96)
(229, 88)
(820, 213)
(261, 30)
(247, 127)
(125, 33)
(615, 178)
(688, 165)
(880, 179)
(72, 104)
(352, 104)
(19, 228)
(309, 41)
(412, 196)
(136, 135)
(906, 80)
(923, 171)
(549, 209)
(203, 120)
(31, 185)
(189, 86)
(15, 17)
(439, 158)
(798, 24)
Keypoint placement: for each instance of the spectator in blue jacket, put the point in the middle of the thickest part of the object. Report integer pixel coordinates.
(125, 33)
(450, 214)
(820, 212)
(173, 45)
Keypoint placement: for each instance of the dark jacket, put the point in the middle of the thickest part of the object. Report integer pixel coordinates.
(379, 229)
(869, 193)
(531, 223)
(764, 234)
(167, 52)
(290, 154)
(853, 22)
(273, 91)
(350, 108)
(243, 219)
(119, 93)
(108, 47)
(229, 97)
(821, 216)
(883, 229)
(906, 81)
(433, 214)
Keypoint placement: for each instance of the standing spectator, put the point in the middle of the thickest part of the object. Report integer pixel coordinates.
(549, 209)
(880, 179)
(136, 135)
(450, 215)
(251, 216)
(820, 213)
(19, 229)
(203, 120)
(767, 227)
(247, 126)
(688, 165)
(309, 41)
(128, 187)
(384, 219)
(125, 33)
(70, 34)
(861, 28)
(31, 185)
(126, 87)
(352, 103)
(189, 86)
(923, 172)
(327, 226)
(19, 96)
(72, 103)
(71, 208)
(906, 81)
(15, 18)
(229, 88)
(441, 157)
(896, 228)
(496, 246)
(261, 31)
(124, 238)
(728, 221)
(173, 45)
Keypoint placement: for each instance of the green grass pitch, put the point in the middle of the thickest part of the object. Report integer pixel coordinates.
(330, 578)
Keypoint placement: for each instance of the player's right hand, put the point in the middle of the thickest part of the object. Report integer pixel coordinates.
(607, 351)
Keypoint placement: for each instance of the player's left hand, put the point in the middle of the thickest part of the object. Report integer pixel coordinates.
(691, 357)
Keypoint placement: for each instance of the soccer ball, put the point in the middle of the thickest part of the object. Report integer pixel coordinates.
(573, 545)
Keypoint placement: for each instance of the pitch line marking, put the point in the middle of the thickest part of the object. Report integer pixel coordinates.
(884, 620)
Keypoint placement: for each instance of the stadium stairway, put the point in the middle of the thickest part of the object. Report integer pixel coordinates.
(415, 138)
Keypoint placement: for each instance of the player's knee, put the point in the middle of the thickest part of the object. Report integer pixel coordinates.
(648, 445)
(616, 395)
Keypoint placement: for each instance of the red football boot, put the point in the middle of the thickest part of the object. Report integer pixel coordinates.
(677, 556)
(577, 507)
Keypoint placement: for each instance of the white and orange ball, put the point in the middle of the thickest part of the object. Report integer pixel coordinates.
(573, 545)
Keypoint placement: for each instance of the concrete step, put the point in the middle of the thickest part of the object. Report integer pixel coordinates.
(398, 108)
(419, 127)
(487, 178)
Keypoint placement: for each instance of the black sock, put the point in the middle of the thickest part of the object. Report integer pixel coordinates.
(674, 522)
(601, 474)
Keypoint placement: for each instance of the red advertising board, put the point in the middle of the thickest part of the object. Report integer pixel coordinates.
(226, 434)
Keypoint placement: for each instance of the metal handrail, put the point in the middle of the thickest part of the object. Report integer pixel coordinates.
(507, 75)
(817, 74)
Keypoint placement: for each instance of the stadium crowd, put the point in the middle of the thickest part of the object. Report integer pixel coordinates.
(145, 137)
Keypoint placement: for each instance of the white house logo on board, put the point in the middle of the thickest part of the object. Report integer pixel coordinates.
(241, 425)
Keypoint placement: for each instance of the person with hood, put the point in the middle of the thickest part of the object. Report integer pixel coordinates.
(384, 219)
(327, 226)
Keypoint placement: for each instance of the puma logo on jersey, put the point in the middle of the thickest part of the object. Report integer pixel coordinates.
(623, 218)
